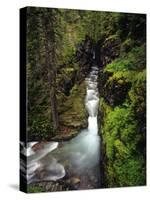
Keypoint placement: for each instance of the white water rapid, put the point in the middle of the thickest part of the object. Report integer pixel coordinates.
(78, 157)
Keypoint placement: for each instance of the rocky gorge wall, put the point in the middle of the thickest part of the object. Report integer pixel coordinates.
(122, 115)
(71, 91)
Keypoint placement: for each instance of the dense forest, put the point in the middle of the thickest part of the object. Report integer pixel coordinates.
(62, 45)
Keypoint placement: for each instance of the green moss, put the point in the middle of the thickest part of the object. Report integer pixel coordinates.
(130, 171)
(34, 189)
(138, 91)
(121, 148)
(72, 113)
(75, 112)
(104, 107)
(123, 126)
(121, 136)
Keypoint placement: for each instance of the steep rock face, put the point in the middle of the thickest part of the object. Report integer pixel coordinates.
(67, 82)
(71, 109)
(84, 56)
(113, 90)
(106, 50)
(72, 113)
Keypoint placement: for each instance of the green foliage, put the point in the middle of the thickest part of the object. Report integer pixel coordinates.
(41, 128)
(131, 25)
(130, 171)
(123, 127)
(122, 133)
(121, 148)
(133, 60)
(127, 45)
(40, 124)
(99, 25)
(119, 124)
(121, 137)
(138, 93)
(34, 189)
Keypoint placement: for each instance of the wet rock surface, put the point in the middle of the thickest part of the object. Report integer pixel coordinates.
(113, 90)
(107, 50)
(88, 181)
(84, 56)
(73, 114)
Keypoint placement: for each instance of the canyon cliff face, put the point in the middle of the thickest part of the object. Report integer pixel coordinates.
(122, 116)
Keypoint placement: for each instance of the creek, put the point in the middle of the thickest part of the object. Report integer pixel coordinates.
(78, 158)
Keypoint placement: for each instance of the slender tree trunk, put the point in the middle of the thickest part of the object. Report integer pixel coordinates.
(50, 62)
(53, 101)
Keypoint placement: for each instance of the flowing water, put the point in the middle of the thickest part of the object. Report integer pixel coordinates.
(78, 157)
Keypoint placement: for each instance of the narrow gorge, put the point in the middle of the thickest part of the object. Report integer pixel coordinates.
(78, 160)
(86, 74)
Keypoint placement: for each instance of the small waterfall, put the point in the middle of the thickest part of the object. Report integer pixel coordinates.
(79, 156)
(93, 55)
(92, 100)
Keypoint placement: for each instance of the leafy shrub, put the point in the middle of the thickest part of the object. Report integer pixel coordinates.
(125, 163)
(133, 60)
(129, 171)
(40, 128)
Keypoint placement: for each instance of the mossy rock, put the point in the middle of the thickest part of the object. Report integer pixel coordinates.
(63, 135)
(73, 116)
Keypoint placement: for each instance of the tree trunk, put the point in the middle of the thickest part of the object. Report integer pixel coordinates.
(50, 62)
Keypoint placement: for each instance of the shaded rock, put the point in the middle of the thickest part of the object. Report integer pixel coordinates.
(49, 186)
(64, 136)
(113, 90)
(73, 181)
(103, 78)
(73, 115)
(84, 56)
(38, 146)
(116, 92)
(107, 50)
